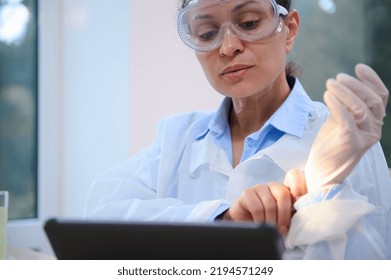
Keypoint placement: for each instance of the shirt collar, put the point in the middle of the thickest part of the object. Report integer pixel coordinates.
(290, 117)
(219, 122)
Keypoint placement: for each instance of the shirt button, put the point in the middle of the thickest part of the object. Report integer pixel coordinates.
(250, 142)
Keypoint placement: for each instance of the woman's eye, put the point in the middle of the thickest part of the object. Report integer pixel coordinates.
(249, 24)
(208, 35)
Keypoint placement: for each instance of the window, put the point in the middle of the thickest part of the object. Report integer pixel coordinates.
(18, 105)
(73, 130)
(335, 35)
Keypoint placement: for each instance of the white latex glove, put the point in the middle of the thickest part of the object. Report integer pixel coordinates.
(357, 108)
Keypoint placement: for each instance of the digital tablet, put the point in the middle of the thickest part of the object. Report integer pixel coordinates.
(111, 240)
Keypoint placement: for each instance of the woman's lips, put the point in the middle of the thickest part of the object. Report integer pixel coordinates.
(235, 71)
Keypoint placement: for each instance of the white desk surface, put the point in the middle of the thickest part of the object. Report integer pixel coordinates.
(20, 253)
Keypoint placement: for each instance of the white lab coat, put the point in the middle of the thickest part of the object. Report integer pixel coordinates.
(180, 178)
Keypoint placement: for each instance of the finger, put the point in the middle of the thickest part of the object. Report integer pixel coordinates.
(295, 181)
(238, 212)
(351, 104)
(337, 110)
(249, 200)
(371, 98)
(268, 202)
(367, 75)
(284, 206)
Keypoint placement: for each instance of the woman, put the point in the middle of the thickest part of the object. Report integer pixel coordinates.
(244, 161)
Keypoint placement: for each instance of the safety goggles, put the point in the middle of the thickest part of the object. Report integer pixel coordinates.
(203, 23)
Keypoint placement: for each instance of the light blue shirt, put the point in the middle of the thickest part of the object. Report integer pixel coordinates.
(290, 118)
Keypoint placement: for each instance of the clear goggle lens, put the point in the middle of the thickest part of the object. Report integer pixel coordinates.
(202, 23)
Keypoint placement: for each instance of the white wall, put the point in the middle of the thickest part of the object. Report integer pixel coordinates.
(95, 89)
(165, 75)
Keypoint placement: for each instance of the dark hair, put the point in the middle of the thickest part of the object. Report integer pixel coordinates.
(285, 3)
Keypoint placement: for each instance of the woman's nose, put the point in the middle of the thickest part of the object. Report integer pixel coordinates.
(230, 44)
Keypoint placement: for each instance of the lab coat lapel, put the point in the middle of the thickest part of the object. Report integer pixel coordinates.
(271, 164)
(291, 151)
(259, 169)
(206, 152)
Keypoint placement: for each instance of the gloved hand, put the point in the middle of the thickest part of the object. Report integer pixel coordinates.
(357, 108)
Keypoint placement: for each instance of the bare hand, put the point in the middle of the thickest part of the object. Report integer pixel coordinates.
(270, 203)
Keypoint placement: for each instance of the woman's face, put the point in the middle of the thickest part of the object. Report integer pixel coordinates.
(240, 69)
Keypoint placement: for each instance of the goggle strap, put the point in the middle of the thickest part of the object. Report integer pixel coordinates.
(281, 10)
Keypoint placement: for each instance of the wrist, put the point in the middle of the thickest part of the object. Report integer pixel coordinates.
(224, 216)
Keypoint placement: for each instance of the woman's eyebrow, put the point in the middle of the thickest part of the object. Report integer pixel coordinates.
(241, 6)
(204, 16)
(234, 10)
